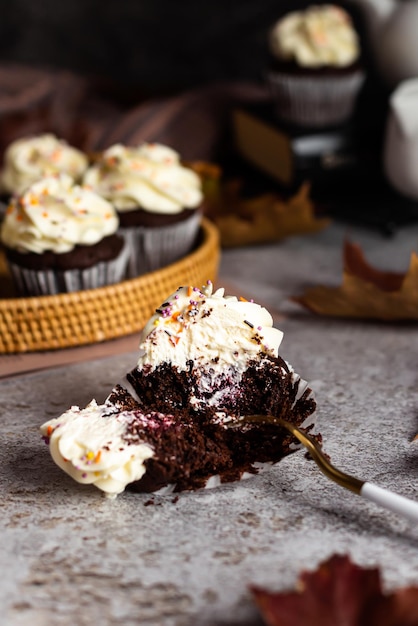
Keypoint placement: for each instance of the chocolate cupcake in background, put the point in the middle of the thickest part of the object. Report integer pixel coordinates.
(158, 200)
(316, 72)
(59, 237)
(28, 159)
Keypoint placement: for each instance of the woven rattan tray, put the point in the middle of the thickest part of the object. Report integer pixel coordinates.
(86, 317)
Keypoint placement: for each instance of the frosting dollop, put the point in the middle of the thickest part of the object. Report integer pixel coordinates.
(55, 214)
(149, 176)
(209, 328)
(29, 159)
(91, 446)
(321, 35)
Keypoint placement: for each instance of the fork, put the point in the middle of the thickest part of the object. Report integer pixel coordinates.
(387, 499)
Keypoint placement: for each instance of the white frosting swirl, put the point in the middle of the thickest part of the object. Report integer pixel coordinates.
(91, 446)
(28, 159)
(55, 214)
(149, 176)
(208, 328)
(321, 35)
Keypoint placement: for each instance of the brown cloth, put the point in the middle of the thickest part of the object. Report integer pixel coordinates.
(36, 100)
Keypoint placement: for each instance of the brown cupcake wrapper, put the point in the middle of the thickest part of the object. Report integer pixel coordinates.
(51, 282)
(153, 248)
(315, 101)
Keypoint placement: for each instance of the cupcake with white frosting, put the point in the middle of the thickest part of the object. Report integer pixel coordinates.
(60, 237)
(175, 422)
(28, 159)
(157, 198)
(316, 72)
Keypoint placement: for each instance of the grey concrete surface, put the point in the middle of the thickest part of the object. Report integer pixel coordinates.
(69, 556)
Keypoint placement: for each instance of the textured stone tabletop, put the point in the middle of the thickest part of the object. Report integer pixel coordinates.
(70, 556)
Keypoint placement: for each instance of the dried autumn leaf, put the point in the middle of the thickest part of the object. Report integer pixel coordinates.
(338, 593)
(366, 292)
(265, 218)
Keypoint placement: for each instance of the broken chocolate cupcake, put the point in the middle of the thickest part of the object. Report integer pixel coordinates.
(205, 361)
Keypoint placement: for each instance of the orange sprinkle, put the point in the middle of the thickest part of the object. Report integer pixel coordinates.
(49, 430)
(189, 290)
(320, 38)
(175, 315)
(108, 216)
(241, 299)
(97, 457)
(44, 214)
(19, 218)
(56, 155)
(33, 200)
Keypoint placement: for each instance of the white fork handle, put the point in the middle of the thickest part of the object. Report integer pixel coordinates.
(389, 500)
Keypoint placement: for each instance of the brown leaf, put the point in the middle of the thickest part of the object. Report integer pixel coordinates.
(338, 593)
(366, 292)
(265, 218)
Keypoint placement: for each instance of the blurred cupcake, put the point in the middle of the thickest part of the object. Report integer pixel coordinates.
(59, 237)
(29, 159)
(316, 72)
(158, 199)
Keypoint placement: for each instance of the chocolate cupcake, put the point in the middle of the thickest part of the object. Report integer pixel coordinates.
(157, 198)
(59, 237)
(206, 360)
(316, 71)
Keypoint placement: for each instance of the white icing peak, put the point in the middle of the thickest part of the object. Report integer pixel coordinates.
(55, 214)
(149, 176)
(320, 35)
(208, 328)
(91, 446)
(28, 159)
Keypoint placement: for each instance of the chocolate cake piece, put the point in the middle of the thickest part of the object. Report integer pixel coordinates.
(205, 361)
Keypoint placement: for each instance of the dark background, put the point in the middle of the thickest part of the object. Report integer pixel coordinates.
(131, 51)
(157, 46)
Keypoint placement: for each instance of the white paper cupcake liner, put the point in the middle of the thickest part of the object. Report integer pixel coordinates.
(30, 282)
(315, 101)
(153, 248)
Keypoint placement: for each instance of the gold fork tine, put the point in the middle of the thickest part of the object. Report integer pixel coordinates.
(314, 449)
(383, 497)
